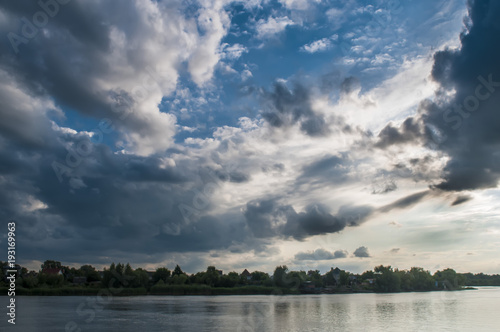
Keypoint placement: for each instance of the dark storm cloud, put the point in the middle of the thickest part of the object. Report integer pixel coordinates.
(110, 205)
(23, 119)
(327, 164)
(350, 84)
(94, 204)
(471, 119)
(361, 252)
(284, 108)
(408, 132)
(42, 64)
(268, 218)
(466, 127)
(329, 168)
(405, 202)
(71, 60)
(320, 254)
(233, 176)
(461, 199)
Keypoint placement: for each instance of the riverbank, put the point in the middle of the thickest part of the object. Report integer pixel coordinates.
(182, 290)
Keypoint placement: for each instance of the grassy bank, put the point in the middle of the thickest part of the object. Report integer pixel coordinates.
(155, 290)
(76, 291)
(180, 290)
(206, 290)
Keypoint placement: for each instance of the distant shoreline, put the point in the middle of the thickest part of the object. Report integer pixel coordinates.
(272, 291)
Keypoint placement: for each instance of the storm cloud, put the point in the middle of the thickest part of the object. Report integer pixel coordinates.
(269, 218)
(284, 108)
(464, 127)
(470, 121)
(405, 202)
(361, 252)
(123, 134)
(97, 60)
(320, 254)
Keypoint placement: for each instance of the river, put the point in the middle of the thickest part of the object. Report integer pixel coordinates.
(471, 310)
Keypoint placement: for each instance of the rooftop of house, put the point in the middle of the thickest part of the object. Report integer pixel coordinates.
(52, 270)
(245, 273)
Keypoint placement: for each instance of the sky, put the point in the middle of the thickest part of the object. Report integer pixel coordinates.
(251, 134)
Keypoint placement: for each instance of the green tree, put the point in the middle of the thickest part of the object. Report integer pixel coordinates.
(331, 277)
(90, 272)
(141, 278)
(230, 280)
(197, 278)
(422, 279)
(161, 273)
(212, 276)
(114, 277)
(449, 279)
(406, 280)
(120, 269)
(344, 278)
(177, 271)
(296, 278)
(387, 280)
(128, 272)
(108, 276)
(179, 279)
(280, 276)
(259, 277)
(30, 281)
(52, 280)
(316, 278)
(368, 275)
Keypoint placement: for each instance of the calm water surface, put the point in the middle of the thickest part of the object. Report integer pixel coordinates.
(477, 310)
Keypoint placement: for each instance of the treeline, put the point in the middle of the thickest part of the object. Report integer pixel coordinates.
(55, 279)
(481, 279)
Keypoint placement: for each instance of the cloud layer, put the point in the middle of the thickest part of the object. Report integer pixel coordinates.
(215, 129)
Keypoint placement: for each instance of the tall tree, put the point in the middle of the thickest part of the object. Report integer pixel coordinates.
(280, 276)
(177, 271)
(161, 273)
(211, 276)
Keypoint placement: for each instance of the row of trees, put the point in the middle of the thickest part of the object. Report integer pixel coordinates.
(381, 279)
(416, 279)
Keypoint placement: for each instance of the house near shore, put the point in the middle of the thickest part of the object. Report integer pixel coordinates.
(53, 271)
(79, 280)
(368, 282)
(246, 274)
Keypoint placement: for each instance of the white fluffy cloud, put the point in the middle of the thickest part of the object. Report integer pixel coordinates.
(233, 52)
(319, 45)
(272, 26)
(121, 69)
(299, 4)
(214, 22)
